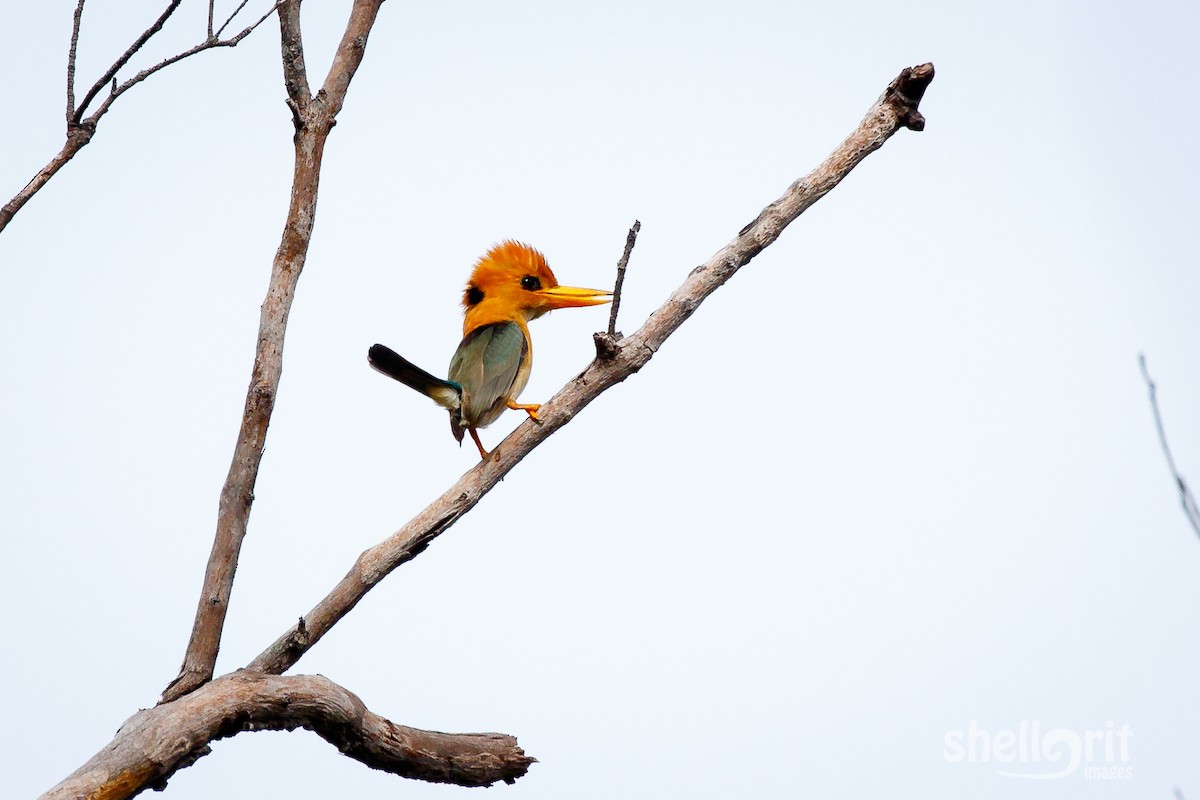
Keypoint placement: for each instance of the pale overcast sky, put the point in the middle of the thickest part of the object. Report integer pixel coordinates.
(895, 485)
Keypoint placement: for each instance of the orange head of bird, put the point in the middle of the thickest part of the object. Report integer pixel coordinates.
(512, 281)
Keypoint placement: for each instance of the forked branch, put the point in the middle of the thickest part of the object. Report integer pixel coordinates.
(81, 128)
(314, 119)
(129, 53)
(155, 743)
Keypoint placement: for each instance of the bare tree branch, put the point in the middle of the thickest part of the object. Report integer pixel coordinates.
(129, 83)
(314, 119)
(71, 53)
(80, 129)
(295, 73)
(896, 109)
(228, 20)
(111, 72)
(349, 54)
(630, 241)
(155, 743)
(77, 137)
(1186, 499)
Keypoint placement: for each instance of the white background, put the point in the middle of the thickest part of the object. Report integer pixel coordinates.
(899, 475)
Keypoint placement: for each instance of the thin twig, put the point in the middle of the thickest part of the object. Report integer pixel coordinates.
(111, 72)
(71, 61)
(211, 3)
(129, 83)
(246, 31)
(1186, 500)
(236, 11)
(630, 241)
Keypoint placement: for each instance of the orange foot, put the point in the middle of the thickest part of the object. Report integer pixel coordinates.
(531, 410)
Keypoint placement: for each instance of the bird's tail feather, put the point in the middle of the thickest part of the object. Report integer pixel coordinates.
(447, 394)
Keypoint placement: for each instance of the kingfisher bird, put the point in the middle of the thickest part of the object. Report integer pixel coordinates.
(509, 286)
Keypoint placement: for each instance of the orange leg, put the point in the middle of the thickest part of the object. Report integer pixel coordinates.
(531, 410)
(475, 436)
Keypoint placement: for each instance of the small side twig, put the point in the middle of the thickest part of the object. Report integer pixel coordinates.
(630, 241)
(225, 24)
(608, 342)
(1186, 499)
(119, 89)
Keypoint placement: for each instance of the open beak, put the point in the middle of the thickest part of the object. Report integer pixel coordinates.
(571, 297)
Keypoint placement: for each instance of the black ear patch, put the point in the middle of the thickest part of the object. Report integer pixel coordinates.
(474, 296)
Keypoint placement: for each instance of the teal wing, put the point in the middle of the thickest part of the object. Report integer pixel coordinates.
(486, 365)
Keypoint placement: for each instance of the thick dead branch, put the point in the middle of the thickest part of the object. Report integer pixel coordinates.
(1186, 499)
(349, 54)
(315, 118)
(291, 44)
(155, 743)
(896, 109)
(80, 129)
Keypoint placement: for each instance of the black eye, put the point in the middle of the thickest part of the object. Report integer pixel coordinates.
(531, 283)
